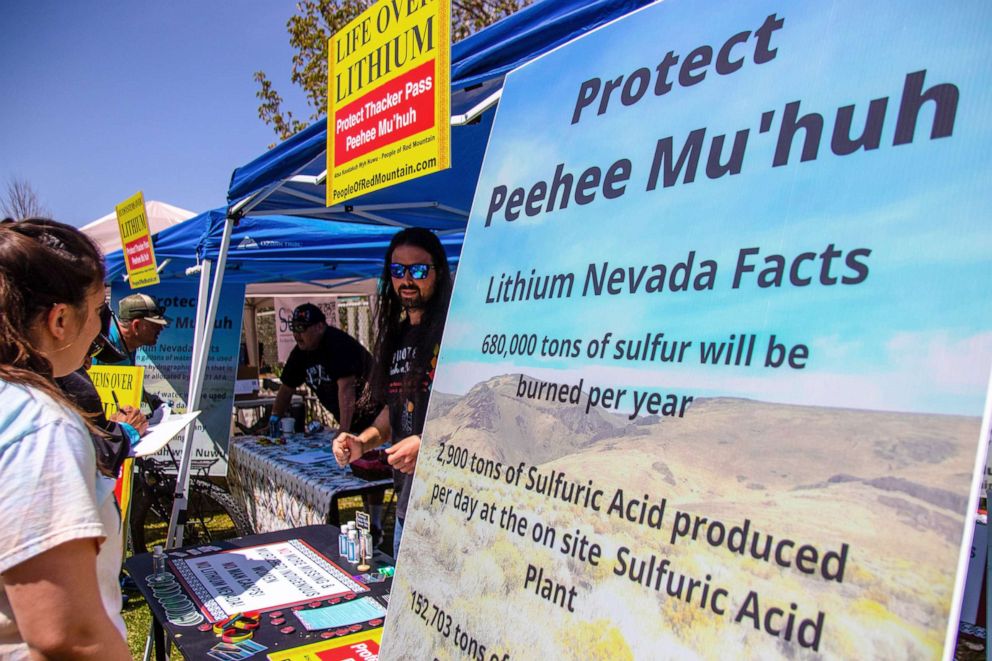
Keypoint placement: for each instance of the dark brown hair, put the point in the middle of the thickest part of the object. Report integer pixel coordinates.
(390, 314)
(42, 263)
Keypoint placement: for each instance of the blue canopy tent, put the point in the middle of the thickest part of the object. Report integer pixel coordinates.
(268, 249)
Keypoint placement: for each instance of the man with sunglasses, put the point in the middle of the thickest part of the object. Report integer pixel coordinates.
(328, 360)
(414, 291)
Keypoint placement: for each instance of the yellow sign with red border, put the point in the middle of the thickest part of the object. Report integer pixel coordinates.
(139, 255)
(388, 97)
(362, 645)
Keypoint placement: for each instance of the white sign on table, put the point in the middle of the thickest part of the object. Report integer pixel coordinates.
(262, 578)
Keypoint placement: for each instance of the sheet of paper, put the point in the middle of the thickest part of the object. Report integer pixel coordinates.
(162, 433)
(159, 415)
(341, 615)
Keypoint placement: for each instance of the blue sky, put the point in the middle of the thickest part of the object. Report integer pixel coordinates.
(103, 99)
(914, 336)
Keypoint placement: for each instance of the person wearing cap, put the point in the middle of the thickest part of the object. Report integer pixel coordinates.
(335, 367)
(328, 360)
(139, 322)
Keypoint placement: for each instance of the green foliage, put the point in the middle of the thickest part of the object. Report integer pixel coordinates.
(309, 30)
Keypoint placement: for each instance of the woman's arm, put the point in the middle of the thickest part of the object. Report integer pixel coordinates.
(56, 602)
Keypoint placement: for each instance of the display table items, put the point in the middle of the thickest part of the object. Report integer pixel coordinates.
(286, 594)
(298, 483)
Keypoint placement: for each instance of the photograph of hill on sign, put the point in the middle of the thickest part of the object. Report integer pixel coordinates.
(714, 377)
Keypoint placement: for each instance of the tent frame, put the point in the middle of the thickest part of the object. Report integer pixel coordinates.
(246, 206)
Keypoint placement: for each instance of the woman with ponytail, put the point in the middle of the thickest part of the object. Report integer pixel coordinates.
(60, 549)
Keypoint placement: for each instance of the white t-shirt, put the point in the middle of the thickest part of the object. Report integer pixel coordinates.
(51, 493)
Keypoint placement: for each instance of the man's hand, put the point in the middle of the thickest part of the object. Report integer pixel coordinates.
(131, 416)
(347, 448)
(403, 455)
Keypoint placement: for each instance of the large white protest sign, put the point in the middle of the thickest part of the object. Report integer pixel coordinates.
(716, 364)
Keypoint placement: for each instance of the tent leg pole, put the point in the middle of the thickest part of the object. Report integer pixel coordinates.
(175, 538)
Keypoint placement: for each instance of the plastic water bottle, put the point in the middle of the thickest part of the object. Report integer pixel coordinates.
(343, 542)
(352, 546)
(274, 426)
(158, 561)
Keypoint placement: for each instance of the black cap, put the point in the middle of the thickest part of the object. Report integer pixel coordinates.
(304, 316)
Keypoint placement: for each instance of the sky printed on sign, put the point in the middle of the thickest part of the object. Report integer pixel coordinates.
(915, 335)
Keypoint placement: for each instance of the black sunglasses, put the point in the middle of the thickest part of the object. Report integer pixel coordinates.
(417, 271)
(301, 326)
(100, 341)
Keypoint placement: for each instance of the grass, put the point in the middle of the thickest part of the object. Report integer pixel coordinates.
(138, 618)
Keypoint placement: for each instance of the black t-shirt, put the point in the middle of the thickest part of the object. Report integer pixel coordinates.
(408, 410)
(339, 355)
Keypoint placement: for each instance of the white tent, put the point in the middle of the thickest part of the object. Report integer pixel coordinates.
(160, 215)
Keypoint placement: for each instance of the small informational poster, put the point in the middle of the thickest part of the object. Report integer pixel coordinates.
(343, 614)
(714, 379)
(118, 386)
(261, 578)
(388, 100)
(136, 238)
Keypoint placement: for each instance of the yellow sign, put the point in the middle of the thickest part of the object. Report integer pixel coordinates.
(117, 386)
(361, 645)
(388, 103)
(139, 256)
